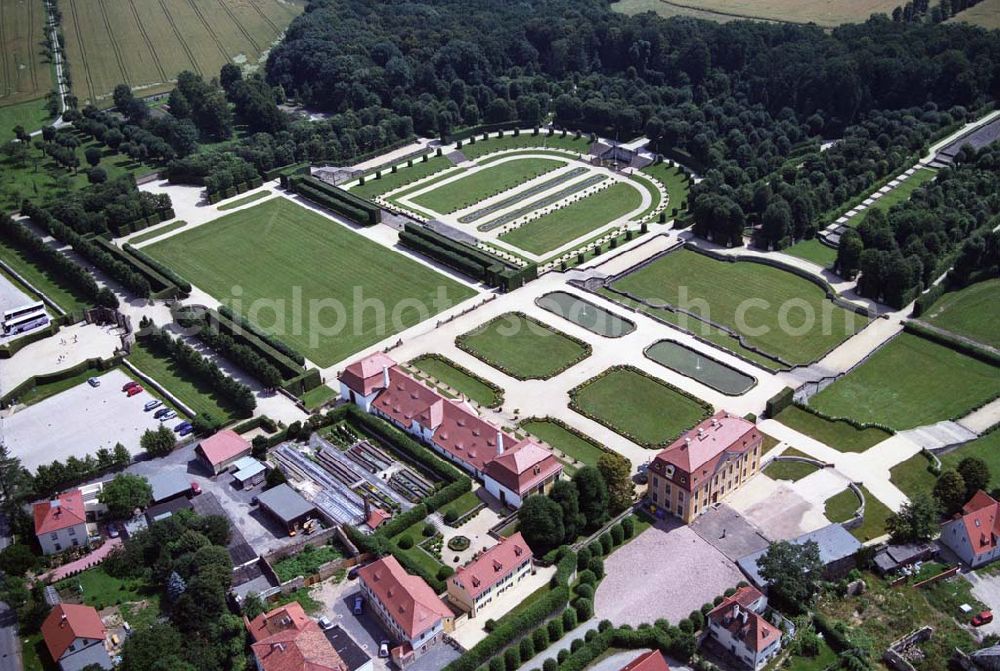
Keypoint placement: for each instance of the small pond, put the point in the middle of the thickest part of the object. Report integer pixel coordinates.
(584, 313)
(696, 365)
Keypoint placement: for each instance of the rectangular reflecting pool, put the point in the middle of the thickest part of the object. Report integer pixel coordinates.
(696, 365)
(584, 313)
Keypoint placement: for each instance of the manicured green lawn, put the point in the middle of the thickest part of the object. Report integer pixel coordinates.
(910, 382)
(580, 451)
(841, 507)
(101, 590)
(403, 175)
(463, 504)
(674, 181)
(789, 470)
(899, 194)
(790, 316)
(64, 295)
(523, 141)
(278, 250)
(244, 200)
(644, 409)
(316, 397)
(813, 250)
(523, 347)
(484, 183)
(838, 435)
(973, 312)
(912, 476)
(575, 220)
(32, 114)
(196, 394)
(444, 370)
(416, 553)
(157, 232)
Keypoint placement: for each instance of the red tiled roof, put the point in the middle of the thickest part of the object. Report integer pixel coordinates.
(407, 598)
(285, 639)
(734, 614)
(981, 519)
(651, 661)
(223, 446)
(68, 512)
(365, 376)
(376, 517)
(67, 622)
(699, 451)
(493, 565)
(523, 467)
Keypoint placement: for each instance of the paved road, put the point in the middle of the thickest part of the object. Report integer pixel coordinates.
(10, 647)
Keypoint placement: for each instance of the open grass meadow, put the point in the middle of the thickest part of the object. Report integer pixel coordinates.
(642, 408)
(352, 292)
(839, 435)
(482, 184)
(32, 114)
(973, 312)
(575, 220)
(195, 394)
(579, 451)
(146, 44)
(910, 382)
(523, 347)
(820, 12)
(464, 381)
(25, 74)
(785, 315)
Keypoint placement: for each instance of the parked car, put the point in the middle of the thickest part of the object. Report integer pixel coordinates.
(982, 618)
(353, 573)
(169, 414)
(93, 382)
(195, 488)
(155, 403)
(112, 530)
(128, 385)
(186, 431)
(255, 500)
(180, 427)
(358, 604)
(383, 649)
(161, 412)
(325, 623)
(133, 391)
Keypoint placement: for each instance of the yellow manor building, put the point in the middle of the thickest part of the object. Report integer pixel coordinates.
(704, 466)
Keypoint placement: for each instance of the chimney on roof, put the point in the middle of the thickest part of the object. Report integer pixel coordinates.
(385, 376)
(499, 442)
(278, 646)
(62, 619)
(701, 433)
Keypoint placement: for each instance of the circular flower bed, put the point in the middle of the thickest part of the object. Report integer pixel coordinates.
(459, 543)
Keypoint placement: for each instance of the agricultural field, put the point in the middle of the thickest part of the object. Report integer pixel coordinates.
(973, 311)
(148, 44)
(910, 382)
(820, 12)
(25, 74)
(642, 408)
(569, 223)
(797, 324)
(523, 347)
(271, 252)
(484, 183)
(985, 15)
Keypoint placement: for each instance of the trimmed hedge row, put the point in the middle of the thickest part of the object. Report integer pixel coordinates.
(159, 285)
(960, 346)
(279, 345)
(47, 378)
(779, 401)
(358, 210)
(168, 273)
(850, 421)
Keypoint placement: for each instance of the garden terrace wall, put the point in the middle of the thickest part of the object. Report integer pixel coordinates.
(167, 273)
(944, 339)
(269, 339)
(160, 285)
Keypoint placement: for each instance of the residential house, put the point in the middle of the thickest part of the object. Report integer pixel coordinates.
(286, 639)
(490, 574)
(415, 617)
(704, 466)
(61, 523)
(75, 637)
(973, 533)
(738, 625)
(509, 468)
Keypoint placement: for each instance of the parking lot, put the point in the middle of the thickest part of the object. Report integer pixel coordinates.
(79, 421)
(367, 631)
(642, 577)
(986, 588)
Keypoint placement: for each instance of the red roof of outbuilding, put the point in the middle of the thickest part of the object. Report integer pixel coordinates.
(67, 622)
(735, 614)
(650, 661)
(285, 639)
(223, 446)
(68, 511)
(493, 565)
(376, 518)
(981, 519)
(523, 467)
(366, 375)
(407, 598)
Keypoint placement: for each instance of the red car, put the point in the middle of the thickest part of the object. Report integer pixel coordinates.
(195, 488)
(132, 391)
(128, 385)
(982, 618)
